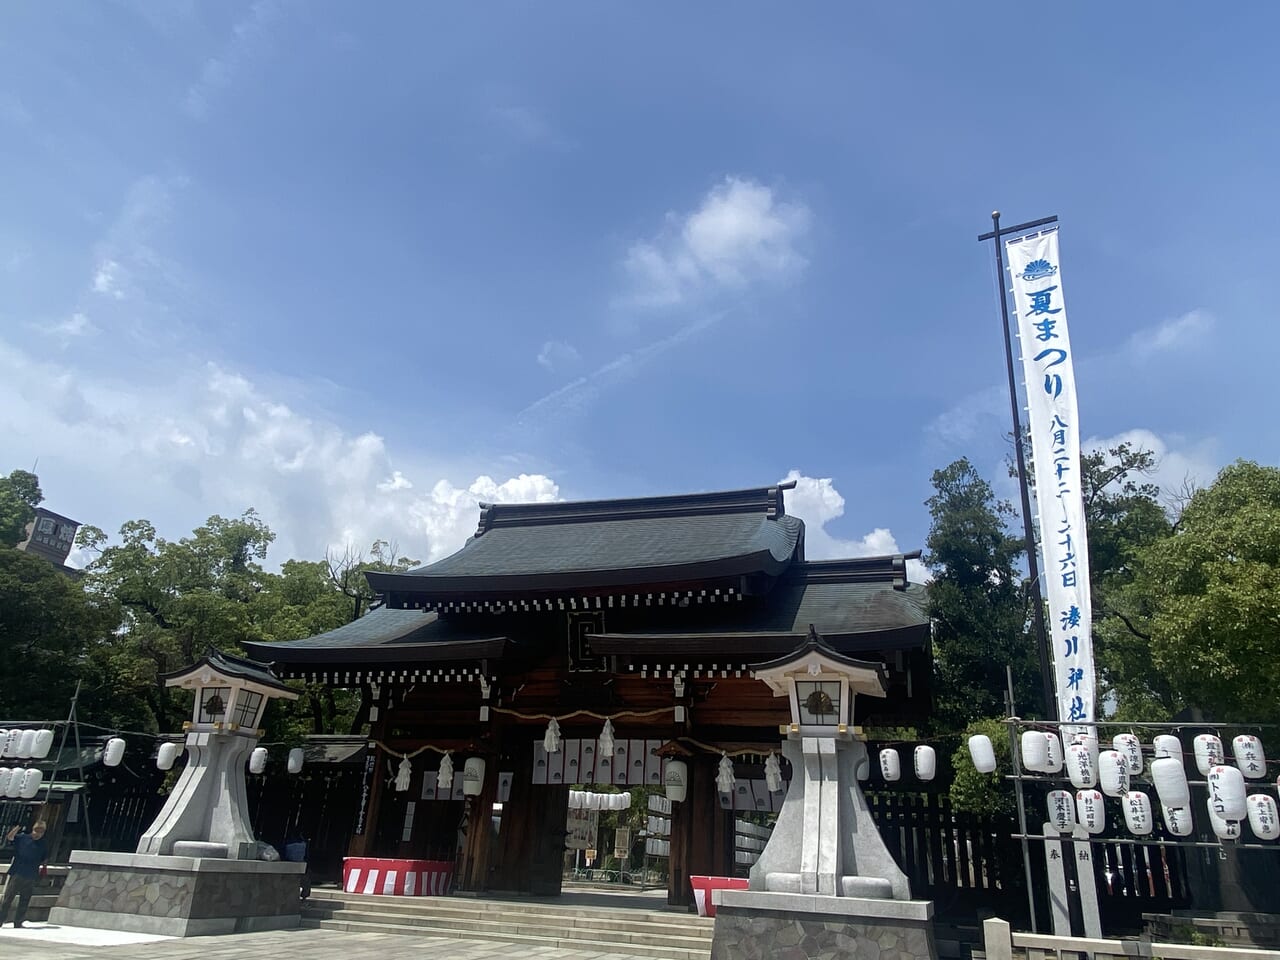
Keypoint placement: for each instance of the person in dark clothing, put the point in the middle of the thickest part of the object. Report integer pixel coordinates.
(30, 851)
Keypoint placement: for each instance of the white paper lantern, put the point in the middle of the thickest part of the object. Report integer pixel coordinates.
(4, 742)
(26, 743)
(675, 777)
(890, 765)
(1263, 820)
(167, 754)
(14, 787)
(1056, 756)
(11, 739)
(575, 799)
(1223, 829)
(31, 780)
(297, 757)
(42, 744)
(1081, 767)
(1167, 745)
(1177, 820)
(1170, 779)
(1208, 752)
(626, 801)
(472, 776)
(1113, 773)
(258, 760)
(1250, 757)
(113, 753)
(1130, 747)
(1091, 811)
(982, 752)
(1035, 751)
(5, 774)
(1090, 742)
(1227, 793)
(444, 779)
(926, 762)
(1062, 810)
(1137, 812)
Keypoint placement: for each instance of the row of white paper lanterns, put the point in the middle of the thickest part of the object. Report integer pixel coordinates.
(586, 800)
(25, 744)
(924, 762)
(19, 783)
(113, 755)
(1228, 804)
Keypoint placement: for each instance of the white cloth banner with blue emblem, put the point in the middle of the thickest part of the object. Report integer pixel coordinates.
(1053, 422)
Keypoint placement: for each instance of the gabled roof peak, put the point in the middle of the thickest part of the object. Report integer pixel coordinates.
(767, 501)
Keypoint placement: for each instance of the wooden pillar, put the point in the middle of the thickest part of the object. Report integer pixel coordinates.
(701, 837)
(473, 871)
(365, 828)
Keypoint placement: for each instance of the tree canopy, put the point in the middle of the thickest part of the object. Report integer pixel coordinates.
(19, 496)
(1214, 597)
(978, 602)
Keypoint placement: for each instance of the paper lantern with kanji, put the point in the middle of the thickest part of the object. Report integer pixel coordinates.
(890, 765)
(1113, 773)
(1137, 812)
(1062, 810)
(1167, 745)
(1250, 757)
(1130, 748)
(1081, 767)
(1208, 752)
(1091, 811)
(1227, 792)
(1262, 817)
(926, 762)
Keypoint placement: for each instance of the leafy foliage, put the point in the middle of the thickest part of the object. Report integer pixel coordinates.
(977, 601)
(987, 793)
(1213, 589)
(19, 496)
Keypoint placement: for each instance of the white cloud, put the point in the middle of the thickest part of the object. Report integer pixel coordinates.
(557, 355)
(249, 38)
(1177, 462)
(1179, 333)
(194, 441)
(106, 280)
(741, 234)
(817, 502)
(77, 325)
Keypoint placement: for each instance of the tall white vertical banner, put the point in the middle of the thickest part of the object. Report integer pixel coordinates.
(1053, 422)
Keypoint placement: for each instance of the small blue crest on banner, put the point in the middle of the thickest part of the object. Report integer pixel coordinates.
(1038, 270)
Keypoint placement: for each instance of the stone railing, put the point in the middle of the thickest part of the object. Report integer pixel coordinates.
(1002, 944)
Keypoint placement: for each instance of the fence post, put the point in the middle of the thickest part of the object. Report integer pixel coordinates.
(997, 943)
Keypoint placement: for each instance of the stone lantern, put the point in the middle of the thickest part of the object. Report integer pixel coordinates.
(825, 861)
(207, 814)
(197, 870)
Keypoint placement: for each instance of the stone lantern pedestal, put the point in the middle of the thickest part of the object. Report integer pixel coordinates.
(825, 884)
(197, 869)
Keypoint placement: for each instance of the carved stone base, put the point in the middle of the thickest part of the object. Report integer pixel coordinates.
(178, 896)
(753, 925)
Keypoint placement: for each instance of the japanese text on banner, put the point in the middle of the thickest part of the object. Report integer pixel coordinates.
(1053, 421)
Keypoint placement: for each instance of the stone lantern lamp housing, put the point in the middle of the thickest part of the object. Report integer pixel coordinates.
(197, 869)
(825, 866)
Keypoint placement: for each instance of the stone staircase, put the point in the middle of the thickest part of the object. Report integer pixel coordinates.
(625, 929)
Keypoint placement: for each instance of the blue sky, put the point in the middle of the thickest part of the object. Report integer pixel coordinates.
(360, 266)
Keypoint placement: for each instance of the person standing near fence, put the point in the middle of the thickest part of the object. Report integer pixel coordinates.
(30, 852)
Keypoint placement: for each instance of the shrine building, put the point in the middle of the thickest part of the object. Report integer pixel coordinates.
(650, 613)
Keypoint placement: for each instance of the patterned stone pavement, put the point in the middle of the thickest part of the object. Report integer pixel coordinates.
(42, 942)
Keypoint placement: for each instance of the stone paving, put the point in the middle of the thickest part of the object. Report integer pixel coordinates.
(48, 942)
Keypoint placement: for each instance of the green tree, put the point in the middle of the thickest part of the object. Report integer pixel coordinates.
(1124, 516)
(48, 629)
(978, 602)
(19, 496)
(1213, 590)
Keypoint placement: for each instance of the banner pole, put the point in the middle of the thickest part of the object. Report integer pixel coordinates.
(1033, 565)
